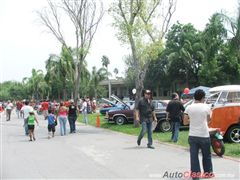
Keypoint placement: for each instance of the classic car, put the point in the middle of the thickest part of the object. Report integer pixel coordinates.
(225, 105)
(126, 115)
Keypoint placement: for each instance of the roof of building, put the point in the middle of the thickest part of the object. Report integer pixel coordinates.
(119, 81)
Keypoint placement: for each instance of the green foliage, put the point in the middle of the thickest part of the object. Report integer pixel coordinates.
(36, 84)
(193, 58)
(13, 90)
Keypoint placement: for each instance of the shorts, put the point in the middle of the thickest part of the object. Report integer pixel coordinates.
(51, 128)
(31, 127)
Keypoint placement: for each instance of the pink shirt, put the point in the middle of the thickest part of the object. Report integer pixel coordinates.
(62, 111)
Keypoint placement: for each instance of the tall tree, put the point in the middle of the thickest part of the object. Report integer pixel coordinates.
(116, 72)
(60, 70)
(136, 24)
(213, 38)
(85, 17)
(184, 53)
(36, 84)
(96, 77)
(105, 63)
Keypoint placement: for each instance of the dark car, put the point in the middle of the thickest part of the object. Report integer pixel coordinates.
(126, 115)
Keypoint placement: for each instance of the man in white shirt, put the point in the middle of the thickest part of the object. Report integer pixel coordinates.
(9, 108)
(84, 111)
(197, 116)
(25, 111)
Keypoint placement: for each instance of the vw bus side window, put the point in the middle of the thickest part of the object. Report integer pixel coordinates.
(223, 98)
(212, 99)
(233, 97)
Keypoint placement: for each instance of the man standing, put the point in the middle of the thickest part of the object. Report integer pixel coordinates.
(72, 117)
(175, 110)
(9, 108)
(198, 116)
(25, 111)
(145, 114)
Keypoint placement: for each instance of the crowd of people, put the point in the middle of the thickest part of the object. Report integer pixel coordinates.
(52, 111)
(197, 115)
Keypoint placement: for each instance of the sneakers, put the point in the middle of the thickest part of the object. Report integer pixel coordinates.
(138, 142)
(150, 147)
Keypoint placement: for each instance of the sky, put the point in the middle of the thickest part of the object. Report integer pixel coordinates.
(25, 44)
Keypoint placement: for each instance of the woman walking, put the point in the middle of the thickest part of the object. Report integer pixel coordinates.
(84, 111)
(62, 117)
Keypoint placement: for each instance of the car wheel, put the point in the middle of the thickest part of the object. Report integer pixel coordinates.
(120, 120)
(233, 134)
(165, 126)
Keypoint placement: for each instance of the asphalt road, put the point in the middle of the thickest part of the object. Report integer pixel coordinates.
(93, 153)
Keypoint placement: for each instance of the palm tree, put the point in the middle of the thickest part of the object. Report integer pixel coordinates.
(96, 77)
(116, 72)
(105, 63)
(235, 29)
(35, 83)
(60, 71)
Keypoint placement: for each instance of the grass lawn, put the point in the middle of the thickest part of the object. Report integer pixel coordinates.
(231, 149)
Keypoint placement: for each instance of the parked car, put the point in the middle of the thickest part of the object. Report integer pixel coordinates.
(117, 105)
(126, 115)
(109, 105)
(225, 103)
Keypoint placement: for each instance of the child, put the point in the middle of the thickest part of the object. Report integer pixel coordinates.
(51, 123)
(30, 121)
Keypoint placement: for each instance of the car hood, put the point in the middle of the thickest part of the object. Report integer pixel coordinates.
(109, 102)
(119, 100)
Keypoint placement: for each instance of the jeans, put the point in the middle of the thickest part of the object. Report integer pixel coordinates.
(85, 118)
(18, 113)
(8, 114)
(62, 122)
(175, 131)
(26, 127)
(146, 127)
(72, 120)
(202, 143)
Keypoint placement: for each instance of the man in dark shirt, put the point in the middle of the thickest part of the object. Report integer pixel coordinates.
(145, 114)
(175, 111)
(72, 116)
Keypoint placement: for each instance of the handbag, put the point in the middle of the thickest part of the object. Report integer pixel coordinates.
(55, 123)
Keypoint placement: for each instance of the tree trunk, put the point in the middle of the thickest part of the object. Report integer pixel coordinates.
(77, 80)
(139, 87)
(75, 86)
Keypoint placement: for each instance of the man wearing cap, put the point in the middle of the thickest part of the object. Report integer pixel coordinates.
(145, 114)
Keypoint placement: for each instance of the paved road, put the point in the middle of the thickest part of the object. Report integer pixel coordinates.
(93, 153)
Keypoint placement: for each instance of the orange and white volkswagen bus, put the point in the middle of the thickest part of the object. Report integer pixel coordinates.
(225, 103)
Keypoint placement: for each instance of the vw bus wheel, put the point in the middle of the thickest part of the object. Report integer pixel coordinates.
(233, 134)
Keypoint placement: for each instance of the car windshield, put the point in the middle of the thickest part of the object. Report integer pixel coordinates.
(212, 98)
